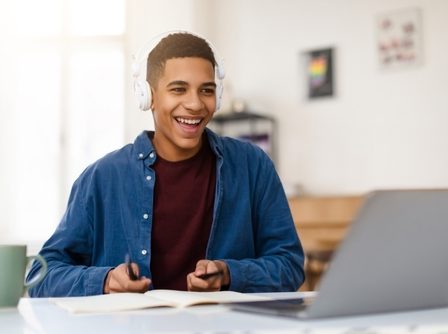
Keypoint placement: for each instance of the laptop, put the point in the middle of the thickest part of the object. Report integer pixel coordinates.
(394, 258)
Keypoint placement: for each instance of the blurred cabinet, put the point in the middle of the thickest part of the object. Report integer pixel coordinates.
(244, 125)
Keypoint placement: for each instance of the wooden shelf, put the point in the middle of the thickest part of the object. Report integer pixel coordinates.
(322, 223)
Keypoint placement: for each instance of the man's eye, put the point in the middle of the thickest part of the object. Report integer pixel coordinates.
(208, 91)
(178, 89)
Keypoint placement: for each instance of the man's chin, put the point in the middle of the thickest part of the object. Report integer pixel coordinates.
(188, 144)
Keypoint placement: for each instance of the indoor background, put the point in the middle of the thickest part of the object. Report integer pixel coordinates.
(66, 93)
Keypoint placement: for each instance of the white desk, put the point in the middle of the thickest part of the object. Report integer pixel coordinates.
(42, 316)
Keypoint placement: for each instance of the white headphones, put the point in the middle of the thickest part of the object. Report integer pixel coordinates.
(142, 90)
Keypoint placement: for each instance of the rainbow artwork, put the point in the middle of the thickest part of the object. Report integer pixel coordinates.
(318, 71)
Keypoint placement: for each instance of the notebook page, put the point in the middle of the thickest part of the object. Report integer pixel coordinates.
(109, 303)
(189, 298)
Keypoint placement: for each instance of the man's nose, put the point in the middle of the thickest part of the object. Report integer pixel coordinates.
(193, 101)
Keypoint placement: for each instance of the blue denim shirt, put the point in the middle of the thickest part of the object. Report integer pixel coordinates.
(109, 214)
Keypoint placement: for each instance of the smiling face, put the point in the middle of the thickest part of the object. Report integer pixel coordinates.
(183, 102)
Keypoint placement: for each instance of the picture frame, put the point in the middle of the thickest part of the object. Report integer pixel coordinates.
(319, 69)
(399, 38)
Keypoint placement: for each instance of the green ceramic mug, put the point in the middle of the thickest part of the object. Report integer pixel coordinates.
(13, 265)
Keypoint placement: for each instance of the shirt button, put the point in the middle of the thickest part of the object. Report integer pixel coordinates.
(151, 155)
(140, 155)
(145, 216)
(144, 251)
(148, 178)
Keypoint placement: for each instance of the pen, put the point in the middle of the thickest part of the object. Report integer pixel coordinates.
(132, 275)
(209, 275)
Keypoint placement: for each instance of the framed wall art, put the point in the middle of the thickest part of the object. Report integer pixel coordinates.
(399, 38)
(319, 71)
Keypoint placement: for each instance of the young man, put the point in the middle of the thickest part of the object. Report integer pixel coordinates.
(181, 201)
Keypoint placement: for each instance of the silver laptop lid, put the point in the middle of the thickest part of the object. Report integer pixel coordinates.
(394, 257)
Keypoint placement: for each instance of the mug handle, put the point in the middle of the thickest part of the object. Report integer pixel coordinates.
(42, 272)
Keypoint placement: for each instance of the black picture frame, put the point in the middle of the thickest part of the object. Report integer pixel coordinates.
(320, 73)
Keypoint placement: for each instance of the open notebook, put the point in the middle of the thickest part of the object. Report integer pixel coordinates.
(392, 259)
(153, 298)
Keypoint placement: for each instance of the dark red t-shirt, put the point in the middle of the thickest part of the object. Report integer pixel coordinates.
(182, 218)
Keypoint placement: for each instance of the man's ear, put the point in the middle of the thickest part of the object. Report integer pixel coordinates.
(151, 106)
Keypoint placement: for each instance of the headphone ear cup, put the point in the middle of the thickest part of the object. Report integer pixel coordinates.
(219, 76)
(221, 73)
(143, 94)
(219, 91)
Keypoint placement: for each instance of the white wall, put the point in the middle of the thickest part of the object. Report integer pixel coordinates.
(384, 129)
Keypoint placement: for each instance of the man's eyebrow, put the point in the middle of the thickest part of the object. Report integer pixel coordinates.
(184, 83)
(211, 83)
(177, 83)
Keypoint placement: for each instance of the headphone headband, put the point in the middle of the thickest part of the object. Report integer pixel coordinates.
(142, 90)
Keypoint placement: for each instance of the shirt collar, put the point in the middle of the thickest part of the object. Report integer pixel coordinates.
(144, 149)
(215, 142)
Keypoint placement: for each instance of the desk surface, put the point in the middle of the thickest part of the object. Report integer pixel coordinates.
(42, 316)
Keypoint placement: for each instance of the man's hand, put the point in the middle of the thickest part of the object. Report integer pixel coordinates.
(118, 280)
(213, 283)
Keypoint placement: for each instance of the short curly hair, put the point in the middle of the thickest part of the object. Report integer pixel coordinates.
(176, 45)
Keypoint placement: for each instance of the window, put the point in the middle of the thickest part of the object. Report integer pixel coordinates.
(62, 104)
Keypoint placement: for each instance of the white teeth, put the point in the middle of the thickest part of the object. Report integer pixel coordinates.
(188, 121)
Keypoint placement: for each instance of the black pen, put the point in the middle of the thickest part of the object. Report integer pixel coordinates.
(132, 275)
(212, 274)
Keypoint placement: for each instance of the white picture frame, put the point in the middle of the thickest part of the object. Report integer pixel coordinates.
(399, 39)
